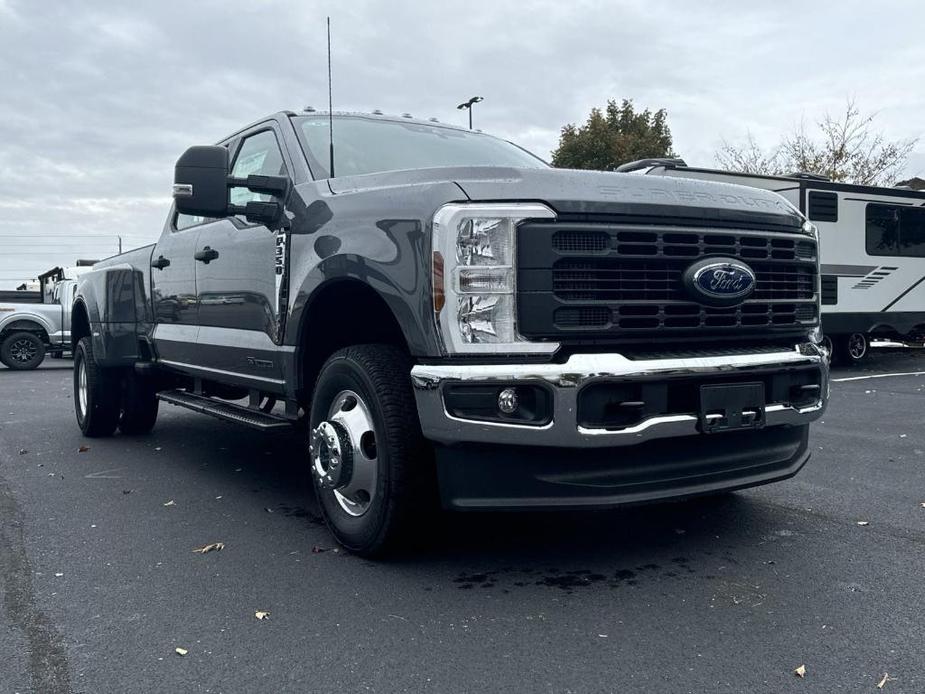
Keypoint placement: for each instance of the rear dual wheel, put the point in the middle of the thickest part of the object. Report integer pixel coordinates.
(371, 467)
(106, 398)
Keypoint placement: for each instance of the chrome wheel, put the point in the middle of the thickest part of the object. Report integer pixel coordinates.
(82, 387)
(344, 457)
(857, 346)
(23, 351)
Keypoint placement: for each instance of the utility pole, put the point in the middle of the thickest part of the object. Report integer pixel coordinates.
(468, 106)
(120, 244)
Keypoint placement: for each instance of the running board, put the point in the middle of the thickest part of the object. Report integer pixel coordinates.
(225, 410)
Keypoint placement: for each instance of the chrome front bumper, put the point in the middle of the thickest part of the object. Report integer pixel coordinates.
(582, 369)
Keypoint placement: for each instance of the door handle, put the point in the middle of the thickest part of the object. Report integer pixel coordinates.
(160, 263)
(206, 255)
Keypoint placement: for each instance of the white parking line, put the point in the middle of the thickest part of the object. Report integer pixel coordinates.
(864, 378)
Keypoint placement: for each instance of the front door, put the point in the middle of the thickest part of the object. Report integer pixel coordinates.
(236, 279)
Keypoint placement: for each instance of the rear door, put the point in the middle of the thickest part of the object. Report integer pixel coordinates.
(173, 281)
(236, 279)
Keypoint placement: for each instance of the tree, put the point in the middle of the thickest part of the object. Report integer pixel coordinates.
(846, 148)
(614, 136)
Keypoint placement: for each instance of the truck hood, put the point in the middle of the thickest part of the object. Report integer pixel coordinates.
(570, 191)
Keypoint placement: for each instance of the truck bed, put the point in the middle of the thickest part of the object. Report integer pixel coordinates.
(20, 297)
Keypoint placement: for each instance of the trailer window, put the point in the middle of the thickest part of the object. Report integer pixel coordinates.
(894, 230)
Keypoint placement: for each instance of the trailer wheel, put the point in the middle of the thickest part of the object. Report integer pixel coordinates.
(139, 404)
(22, 351)
(371, 467)
(96, 393)
(854, 348)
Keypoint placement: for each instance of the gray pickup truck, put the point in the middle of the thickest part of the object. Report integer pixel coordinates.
(34, 324)
(448, 318)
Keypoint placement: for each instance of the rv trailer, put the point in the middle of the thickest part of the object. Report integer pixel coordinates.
(872, 243)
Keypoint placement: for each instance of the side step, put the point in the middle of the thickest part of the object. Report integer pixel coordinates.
(226, 410)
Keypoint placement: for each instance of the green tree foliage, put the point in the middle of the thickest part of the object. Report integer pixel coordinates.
(614, 136)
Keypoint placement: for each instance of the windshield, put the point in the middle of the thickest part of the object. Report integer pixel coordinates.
(371, 145)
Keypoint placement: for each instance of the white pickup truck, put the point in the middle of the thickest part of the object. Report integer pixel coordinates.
(36, 323)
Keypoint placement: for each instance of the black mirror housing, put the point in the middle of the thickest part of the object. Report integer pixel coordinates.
(200, 184)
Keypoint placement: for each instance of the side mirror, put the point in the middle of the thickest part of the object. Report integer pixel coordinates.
(200, 181)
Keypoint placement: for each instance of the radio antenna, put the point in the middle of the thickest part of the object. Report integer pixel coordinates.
(330, 102)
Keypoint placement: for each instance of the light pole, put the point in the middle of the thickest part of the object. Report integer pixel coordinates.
(468, 105)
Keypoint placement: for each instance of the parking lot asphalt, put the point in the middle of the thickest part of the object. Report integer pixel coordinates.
(100, 584)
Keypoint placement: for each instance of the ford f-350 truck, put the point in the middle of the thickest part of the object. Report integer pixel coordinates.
(447, 317)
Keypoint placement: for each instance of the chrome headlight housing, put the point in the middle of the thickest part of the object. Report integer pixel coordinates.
(474, 277)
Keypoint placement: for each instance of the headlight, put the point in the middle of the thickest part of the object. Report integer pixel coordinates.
(811, 230)
(474, 259)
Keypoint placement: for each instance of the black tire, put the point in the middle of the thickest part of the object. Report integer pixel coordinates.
(22, 351)
(98, 409)
(404, 488)
(139, 404)
(852, 348)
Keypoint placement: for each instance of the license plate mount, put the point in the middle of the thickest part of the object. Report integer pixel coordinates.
(731, 407)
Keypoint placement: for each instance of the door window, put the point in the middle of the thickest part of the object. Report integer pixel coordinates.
(259, 154)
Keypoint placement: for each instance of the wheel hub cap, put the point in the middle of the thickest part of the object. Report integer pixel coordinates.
(332, 455)
(22, 350)
(344, 454)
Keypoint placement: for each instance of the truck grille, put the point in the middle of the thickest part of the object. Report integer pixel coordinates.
(609, 279)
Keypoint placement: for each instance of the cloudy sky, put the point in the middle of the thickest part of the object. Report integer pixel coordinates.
(97, 99)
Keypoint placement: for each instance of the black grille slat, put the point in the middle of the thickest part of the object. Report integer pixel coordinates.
(610, 279)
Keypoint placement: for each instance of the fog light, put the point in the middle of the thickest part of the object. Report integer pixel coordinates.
(508, 401)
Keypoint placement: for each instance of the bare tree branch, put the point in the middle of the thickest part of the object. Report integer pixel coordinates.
(845, 148)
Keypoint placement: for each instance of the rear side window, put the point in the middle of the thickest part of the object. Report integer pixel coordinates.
(823, 207)
(894, 230)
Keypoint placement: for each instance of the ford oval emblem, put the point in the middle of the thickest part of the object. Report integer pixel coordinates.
(719, 281)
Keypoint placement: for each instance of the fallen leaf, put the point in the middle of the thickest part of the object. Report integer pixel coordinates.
(215, 546)
(59, 574)
(886, 678)
(800, 671)
(170, 503)
(157, 448)
(180, 651)
(318, 550)
(83, 449)
(22, 451)
(270, 510)
(902, 436)
(863, 522)
(261, 615)
(127, 491)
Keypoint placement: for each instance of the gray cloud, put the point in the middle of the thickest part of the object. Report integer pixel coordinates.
(99, 98)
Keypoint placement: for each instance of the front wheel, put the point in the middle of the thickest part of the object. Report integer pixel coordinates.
(96, 393)
(22, 351)
(371, 467)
